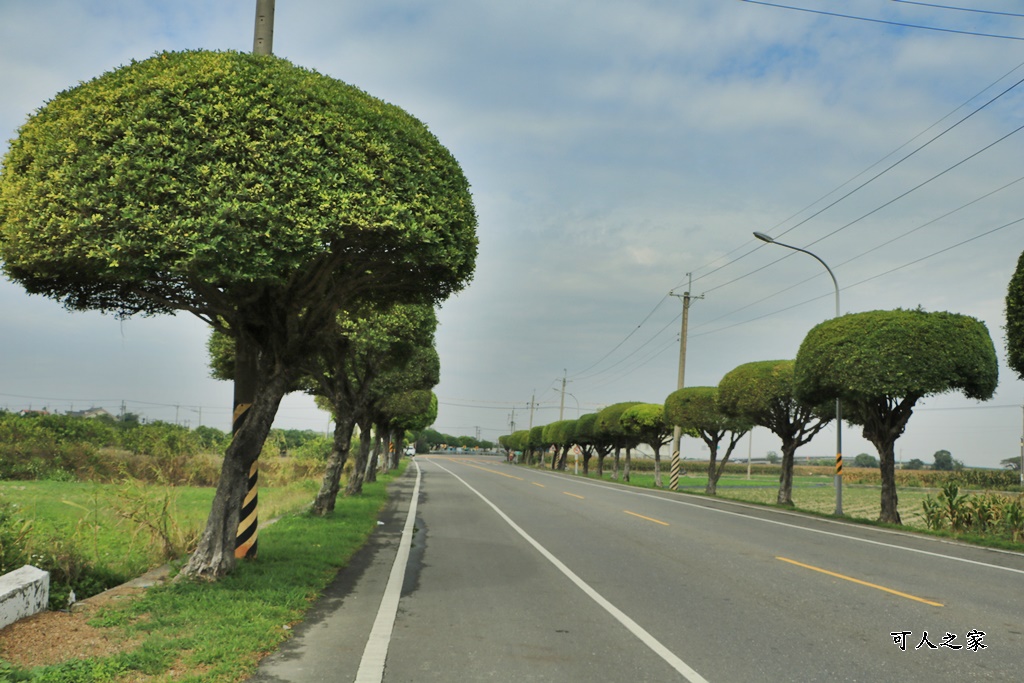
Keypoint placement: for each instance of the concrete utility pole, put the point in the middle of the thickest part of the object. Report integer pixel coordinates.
(677, 433)
(561, 407)
(263, 36)
(247, 537)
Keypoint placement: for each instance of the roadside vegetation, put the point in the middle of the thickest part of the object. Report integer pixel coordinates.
(192, 631)
(979, 506)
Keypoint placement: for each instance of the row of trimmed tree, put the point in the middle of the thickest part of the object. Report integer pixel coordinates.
(877, 363)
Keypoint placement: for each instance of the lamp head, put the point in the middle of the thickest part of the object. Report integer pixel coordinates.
(763, 237)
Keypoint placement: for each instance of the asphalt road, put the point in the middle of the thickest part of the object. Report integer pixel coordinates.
(518, 574)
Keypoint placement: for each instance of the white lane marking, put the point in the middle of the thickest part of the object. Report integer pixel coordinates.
(802, 528)
(633, 627)
(375, 654)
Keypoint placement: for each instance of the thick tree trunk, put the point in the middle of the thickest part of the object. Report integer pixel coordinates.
(331, 484)
(215, 554)
(887, 466)
(615, 467)
(586, 462)
(354, 487)
(601, 455)
(785, 496)
(625, 470)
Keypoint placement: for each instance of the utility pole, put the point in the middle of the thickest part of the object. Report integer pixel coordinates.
(677, 433)
(561, 406)
(263, 35)
(247, 536)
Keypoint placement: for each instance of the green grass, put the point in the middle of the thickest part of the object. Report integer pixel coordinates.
(815, 494)
(218, 632)
(84, 514)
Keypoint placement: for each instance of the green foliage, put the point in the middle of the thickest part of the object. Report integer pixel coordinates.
(608, 425)
(865, 460)
(1015, 319)
(987, 514)
(560, 433)
(862, 357)
(914, 464)
(944, 462)
(140, 190)
(646, 422)
(697, 409)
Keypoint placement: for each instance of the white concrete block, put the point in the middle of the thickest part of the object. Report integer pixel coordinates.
(23, 592)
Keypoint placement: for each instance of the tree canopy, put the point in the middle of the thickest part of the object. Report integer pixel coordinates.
(646, 422)
(697, 410)
(763, 393)
(880, 363)
(1015, 319)
(197, 180)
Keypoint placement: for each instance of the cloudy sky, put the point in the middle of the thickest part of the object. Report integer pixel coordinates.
(614, 147)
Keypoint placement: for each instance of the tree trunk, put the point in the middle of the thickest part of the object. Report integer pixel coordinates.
(785, 496)
(215, 554)
(625, 470)
(712, 486)
(657, 466)
(331, 484)
(587, 454)
(887, 466)
(354, 487)
(615, 469)
(601, 455)
(370, 475)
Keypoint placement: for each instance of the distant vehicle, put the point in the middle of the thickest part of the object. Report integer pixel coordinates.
(410, 451)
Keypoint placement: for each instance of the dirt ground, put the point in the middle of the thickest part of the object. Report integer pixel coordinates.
(54, 637)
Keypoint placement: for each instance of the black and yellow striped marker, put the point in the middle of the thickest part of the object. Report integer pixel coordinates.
(246, 538)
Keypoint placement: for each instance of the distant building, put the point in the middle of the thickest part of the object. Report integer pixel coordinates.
(33, 413)
(89, 414)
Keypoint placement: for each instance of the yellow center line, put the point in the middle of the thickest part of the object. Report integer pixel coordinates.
(649, 519)
(536, 484)
(572, 494)
(862, 583)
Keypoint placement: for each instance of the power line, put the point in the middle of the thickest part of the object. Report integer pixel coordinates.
(884, 21)
(878, 175)
(616, 346)
(959, 9)
(865, 280)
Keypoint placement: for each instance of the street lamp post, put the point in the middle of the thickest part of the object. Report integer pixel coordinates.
(839, 408)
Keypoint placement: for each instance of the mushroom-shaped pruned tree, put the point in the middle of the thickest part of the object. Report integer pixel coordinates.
(589, 445)
(762, 392)
(696, 410)
(880, 363)
(646, 422)
(537, 444)
(257, 195)
(561, 434)
(609, 428)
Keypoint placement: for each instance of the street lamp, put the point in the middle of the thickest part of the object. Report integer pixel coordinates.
(839, 408)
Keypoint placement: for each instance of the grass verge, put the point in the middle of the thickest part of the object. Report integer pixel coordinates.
(816, 495)
(218, 632)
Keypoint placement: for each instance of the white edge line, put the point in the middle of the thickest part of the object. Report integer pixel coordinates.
(646, 638)
(375, 654)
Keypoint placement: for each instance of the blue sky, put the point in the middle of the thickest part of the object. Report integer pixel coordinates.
(613, 147)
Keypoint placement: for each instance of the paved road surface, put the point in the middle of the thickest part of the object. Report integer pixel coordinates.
(516, 574)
